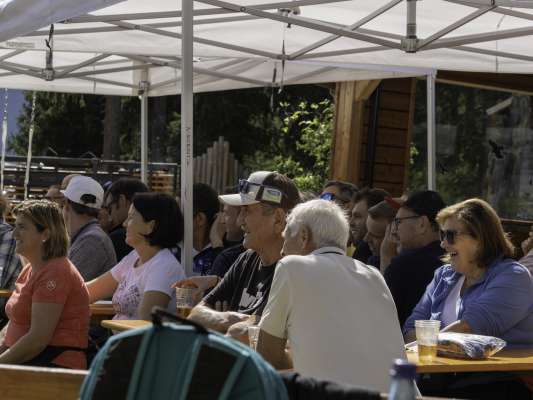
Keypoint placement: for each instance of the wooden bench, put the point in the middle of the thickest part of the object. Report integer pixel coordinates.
(25, 383)
(35, 383)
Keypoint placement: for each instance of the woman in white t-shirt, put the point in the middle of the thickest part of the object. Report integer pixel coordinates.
(142, 279)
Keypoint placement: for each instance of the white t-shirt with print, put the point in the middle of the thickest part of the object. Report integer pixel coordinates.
(339, 317)
(157, 274)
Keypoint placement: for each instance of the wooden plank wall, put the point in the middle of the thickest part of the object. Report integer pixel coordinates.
(218, 167)
(393, 134)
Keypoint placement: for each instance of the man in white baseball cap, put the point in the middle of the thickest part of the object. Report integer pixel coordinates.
(91, 249)
(265, 198)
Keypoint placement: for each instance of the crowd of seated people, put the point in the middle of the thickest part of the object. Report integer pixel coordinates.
(336, 278)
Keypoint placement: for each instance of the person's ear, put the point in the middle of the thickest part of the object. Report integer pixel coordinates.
(151, 227)
(425, 224)
(279, 220)
(200, 219)
(46, 235)
(123, 202)
(305, 236)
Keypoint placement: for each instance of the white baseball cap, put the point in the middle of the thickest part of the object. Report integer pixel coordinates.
(253, 190)
(83, 185)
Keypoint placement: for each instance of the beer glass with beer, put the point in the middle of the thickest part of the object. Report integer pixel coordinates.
(427, 334)
(185, 297)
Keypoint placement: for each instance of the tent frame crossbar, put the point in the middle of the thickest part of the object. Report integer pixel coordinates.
(197, 13)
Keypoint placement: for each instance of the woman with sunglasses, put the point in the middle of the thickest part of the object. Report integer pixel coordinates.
(482, 290)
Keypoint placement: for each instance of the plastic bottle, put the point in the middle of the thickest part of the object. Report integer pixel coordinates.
(402, 380)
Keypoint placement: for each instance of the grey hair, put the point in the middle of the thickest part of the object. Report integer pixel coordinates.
(326, 221)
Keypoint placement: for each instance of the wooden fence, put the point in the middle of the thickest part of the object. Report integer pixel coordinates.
(218, 167)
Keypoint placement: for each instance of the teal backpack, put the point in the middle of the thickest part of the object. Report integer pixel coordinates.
(179, 361)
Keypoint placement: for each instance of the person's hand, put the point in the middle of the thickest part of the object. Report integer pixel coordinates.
(388, 249)
(217, 232)
(239, 331)
(202, 283)
(527, 245)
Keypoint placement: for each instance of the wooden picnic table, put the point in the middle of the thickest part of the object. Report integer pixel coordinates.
(504, 360)
(101, 311)
(121, 325)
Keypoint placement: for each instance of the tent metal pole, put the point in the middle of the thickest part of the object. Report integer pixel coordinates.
(187, 132)
(431, 132)
(144, 136)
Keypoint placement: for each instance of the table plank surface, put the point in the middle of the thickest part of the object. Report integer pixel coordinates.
(121, 325)
(5, 292)
(102, 309)
(505, 360)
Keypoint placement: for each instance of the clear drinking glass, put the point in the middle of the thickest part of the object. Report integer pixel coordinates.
(253, 336)
(427, 334)
(185, 300)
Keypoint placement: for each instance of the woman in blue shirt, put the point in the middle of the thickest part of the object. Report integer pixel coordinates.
(482, 290)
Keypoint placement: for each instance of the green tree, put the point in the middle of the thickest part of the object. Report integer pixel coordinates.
(301, 144)
(70, 124)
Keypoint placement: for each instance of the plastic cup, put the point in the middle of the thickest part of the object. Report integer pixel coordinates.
(427, 335)
(253, 336)
(185, 300)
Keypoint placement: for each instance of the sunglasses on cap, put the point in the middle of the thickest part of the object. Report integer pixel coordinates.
(258, 192)
(331, 197)
(449, 235)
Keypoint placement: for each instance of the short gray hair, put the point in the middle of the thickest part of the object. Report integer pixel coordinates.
(326, 221)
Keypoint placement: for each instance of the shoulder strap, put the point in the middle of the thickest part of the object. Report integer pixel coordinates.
(158, 314)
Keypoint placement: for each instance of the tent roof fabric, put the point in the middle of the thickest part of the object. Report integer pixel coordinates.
(135, 45)
(18, 17)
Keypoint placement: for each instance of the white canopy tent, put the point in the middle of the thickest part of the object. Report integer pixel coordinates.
(155, 48)
(18, 17)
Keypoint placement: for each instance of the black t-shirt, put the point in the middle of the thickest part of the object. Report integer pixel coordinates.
(362, 252)
(245, 286)
(118, 238)
(408, 275)
(225, 260)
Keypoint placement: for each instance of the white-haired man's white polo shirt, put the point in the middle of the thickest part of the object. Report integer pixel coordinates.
(339, 317)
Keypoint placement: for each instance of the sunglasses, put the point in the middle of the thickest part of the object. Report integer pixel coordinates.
(331, 197)
(260, 192)
(449, 235)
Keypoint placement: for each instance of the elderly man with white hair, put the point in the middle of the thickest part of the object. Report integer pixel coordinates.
(336, 312)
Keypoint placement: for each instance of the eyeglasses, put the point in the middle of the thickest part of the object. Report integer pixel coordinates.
(331, 197)
(260, 192)
(398, 221)
(449, 235)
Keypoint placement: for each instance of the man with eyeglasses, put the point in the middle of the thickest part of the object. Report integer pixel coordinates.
(265, 199)
(117, 201)
(417, 233)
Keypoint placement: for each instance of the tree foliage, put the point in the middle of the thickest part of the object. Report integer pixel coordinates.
(69, 124)
(301, 144)
(286, 130)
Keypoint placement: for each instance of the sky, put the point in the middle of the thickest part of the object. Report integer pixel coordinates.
(14, 108)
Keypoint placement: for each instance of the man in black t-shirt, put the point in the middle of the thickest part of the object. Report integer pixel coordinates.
(265, 199)
(117, 201)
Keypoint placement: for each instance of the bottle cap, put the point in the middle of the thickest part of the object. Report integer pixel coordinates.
(403, 369)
